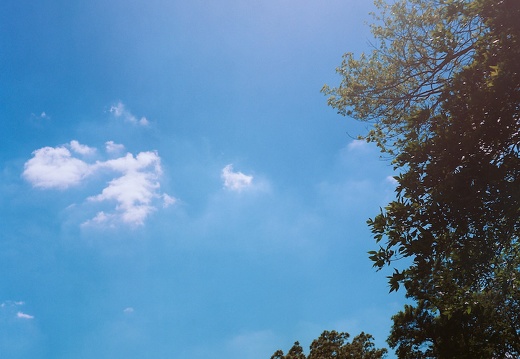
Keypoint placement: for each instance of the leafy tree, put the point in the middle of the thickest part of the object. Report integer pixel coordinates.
(419, 45)
(442, 87)
(334, 345)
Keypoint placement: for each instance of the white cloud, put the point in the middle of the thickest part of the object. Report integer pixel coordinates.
(11, 303)
(119, 110)
(54, 167)
(41, 116)
(128, 310)
(168, 200)
(22, 315)
(129, 163)
(357, 144)
(235, 181)
(81, 149)
(134, 189)
(392, 180)
(114, 148)
(133, 193)
(99, 219)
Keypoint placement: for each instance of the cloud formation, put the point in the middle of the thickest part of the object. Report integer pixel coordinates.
(11, 305)
(22, 315)
(55, 167)
(119, 111)
(41, 116)
(357, 144)
(114, 148)
(168, 200)
(81, 149)
(134, 188)
(235, 181)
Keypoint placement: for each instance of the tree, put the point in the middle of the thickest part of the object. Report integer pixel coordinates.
(443, 89)
(334, 345)
(419, 45)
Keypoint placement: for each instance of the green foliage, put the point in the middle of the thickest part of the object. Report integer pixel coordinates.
(443, 87)
(334, 345)
(418, 45)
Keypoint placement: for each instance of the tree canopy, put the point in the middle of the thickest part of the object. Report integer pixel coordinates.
(332, 344)
(442, 90)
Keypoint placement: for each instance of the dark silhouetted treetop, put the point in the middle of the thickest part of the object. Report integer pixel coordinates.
(335, 345)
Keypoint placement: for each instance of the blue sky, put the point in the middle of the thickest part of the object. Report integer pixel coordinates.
(173, 184)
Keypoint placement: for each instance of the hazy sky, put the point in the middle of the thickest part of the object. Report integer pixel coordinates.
(173, 184)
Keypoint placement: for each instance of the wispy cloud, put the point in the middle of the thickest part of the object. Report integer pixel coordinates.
(81, 149)
(357, 144)
(22, 315)
(168, 200)
(134, 188)
(128, 310)
(11, 303)
(392, 180)
(114, 148)
(235, 181)
(10, 306)
(41, 116)
(119, 110)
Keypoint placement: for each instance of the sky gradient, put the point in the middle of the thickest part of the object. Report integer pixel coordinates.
(173, 184)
